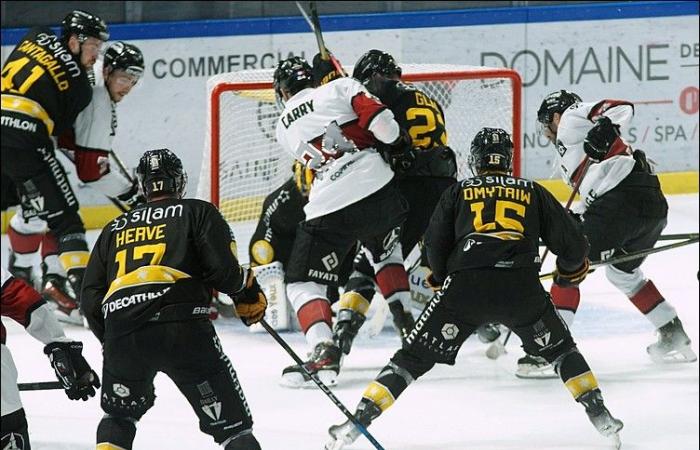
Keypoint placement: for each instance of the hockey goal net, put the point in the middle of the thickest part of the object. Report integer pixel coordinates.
(243, 163)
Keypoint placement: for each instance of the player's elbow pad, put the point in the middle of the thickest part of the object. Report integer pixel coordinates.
(384, 127)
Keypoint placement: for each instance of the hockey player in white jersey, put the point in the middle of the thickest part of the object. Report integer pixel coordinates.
(335, 130)
(622, 210)
(89, 146)
(23, 304)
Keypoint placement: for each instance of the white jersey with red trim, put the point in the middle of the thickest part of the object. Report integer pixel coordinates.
(23, 304)
(353, 175)
(574, 125)
(94, 132)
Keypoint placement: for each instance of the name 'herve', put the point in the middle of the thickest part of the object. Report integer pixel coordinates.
(297, 112)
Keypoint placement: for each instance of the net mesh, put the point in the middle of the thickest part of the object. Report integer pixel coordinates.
(242, 114)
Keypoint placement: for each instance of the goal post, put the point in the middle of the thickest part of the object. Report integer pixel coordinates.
(242, 161)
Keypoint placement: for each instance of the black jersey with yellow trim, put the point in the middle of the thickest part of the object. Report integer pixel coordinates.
(42, 71)
(163, 253)
(496, 220)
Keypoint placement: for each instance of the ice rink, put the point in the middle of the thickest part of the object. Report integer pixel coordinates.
(477, 404)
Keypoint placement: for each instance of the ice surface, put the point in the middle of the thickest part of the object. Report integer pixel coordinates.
(477, 404)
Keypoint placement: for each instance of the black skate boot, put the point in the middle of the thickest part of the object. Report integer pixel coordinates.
(535, 367)
(346, 327)
(324, 362)
(599, 415)
(403, 320)
(673, 344)
(488, 332)
(59, 293)
(347, 432)
(23, 273)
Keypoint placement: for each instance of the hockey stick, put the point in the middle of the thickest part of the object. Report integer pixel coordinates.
(122, 166)
(666, 237)
(631, 256)
(315, 25)
(320, 384)
(39, 386)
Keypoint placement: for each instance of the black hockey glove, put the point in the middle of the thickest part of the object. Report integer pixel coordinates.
(250, 301)
(75, 374)
(323, 71)
(132, 198)
(601, 139)
(571, 279)
(399, 154)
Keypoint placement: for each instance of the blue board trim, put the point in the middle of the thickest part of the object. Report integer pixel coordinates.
(420, 19)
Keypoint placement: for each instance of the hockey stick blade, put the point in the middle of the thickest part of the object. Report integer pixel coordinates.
(39, 386)
(321, 385)
(664, 237)
(632, 256)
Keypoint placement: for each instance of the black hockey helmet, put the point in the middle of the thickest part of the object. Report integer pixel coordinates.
(292, 74)
(491, 150)
(160, 172)
(127, 57)
(84, 25)
(556, 102)
(375, 61)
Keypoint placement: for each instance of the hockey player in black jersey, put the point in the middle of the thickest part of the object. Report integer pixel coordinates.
(45, 85)
(146, 296)
(423, 172)
(482, 244)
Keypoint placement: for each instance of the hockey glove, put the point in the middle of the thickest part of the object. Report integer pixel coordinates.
(571, 279)
(75, 374)
(323, 71)
(400, 152)
(250, 301)
(603, 139)
(132, 198)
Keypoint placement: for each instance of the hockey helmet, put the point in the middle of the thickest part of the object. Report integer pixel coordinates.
(84, 25)
(375, 61)
(556, 102)
(292, 74)
(126, 57)
(491, 150)
(160, 172)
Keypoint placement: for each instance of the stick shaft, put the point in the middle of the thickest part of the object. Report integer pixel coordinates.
(39, 386)
(320, 384)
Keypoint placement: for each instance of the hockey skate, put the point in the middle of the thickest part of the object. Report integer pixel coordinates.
(673, 344)
(346, 432)
(535, 367)
(324, 362)
(403, 320)
(346, 327)
(600, 417)
(488, 332)
(60, 296)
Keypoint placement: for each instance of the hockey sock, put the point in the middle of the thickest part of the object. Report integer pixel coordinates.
(354, 301)
(652, 304)
(392, 281)
(24, 246)
(315, 320)
(394, 379)
(566, 300)
(116, 433)
(242, 441)
(575, 373)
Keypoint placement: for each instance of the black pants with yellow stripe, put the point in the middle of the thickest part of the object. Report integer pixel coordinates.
(469, 298)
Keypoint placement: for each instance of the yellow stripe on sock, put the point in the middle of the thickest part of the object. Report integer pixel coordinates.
(74, 260)
(108, 446)
(379, 395)
(356, 302)
(581, 384)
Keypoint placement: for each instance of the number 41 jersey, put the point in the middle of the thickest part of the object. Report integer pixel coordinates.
(497, 221)
(161, 257)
